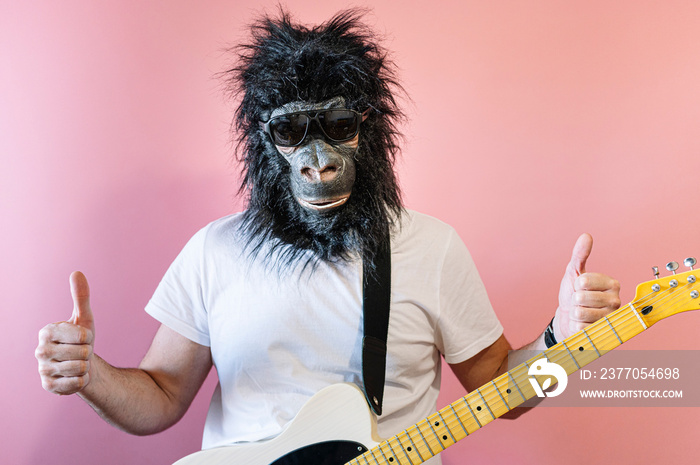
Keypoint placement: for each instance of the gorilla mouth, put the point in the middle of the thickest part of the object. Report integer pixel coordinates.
(323, 204)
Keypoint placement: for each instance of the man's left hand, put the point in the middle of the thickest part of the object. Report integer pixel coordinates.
(583, 297)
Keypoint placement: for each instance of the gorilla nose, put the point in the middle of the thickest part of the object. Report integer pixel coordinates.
(324, 174)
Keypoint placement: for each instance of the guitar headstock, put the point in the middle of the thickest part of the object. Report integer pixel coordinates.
(662, 297)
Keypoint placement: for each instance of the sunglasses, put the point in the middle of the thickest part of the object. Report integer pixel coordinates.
(337, 124)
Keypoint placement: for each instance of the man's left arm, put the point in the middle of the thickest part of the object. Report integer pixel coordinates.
(583, 299)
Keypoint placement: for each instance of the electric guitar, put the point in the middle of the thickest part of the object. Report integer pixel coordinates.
(336, 427)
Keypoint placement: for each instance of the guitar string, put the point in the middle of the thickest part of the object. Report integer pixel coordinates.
(620, 321)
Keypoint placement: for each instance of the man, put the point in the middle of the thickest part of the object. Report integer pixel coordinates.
(273, 296)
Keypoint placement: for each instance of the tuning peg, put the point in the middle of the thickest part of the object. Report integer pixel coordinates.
(690, 262)
(672, 267)
(655, 287)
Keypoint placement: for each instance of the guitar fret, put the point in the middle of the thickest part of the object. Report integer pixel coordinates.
(364, 456)
(636, 313)
(582, 353)
(382, 452)
(404, 449)
(478, 391)
(613, 329)
(562, 356)
(444, 423)
(524, 377)
(393, 452)
(409, 448)
(589, 340)
(426, 431)
(558, 356)
(605, 338)
(485, 403)
(578, 367)
(422, 432)
(466, 433)
(388, 452)
(472, 412)
(534, 377)
(624, 324)
(386, 459)
(503, 384)
(468, 421)
(425, 441)
(528, 370)
(374, 457)
(500, 395)
(436, 436)
(449, 417)
(516, 386)
(422, 459)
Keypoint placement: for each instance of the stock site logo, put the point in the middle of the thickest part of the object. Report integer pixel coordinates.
(544, 367)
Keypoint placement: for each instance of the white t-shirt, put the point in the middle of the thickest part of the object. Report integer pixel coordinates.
(278, 337)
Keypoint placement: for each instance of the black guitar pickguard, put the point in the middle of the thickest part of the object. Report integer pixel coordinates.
(323, 453)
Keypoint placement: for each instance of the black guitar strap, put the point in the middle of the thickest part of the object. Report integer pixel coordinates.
(376, 292)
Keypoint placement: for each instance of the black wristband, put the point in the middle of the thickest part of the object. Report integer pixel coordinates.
(549, 339)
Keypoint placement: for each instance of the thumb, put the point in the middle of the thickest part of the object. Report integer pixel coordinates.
(80, 291)
(582, 250)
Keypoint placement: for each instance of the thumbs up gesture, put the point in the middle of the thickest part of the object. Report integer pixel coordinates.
(65, 349)
(583, 297)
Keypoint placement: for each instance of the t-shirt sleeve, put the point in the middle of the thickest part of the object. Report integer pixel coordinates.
(177, 301)
(467, 323)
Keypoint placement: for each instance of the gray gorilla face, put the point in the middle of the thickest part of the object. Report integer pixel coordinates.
(322, 172)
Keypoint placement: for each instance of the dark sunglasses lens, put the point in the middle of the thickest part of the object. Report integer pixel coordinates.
(339, 125)
(289, 130)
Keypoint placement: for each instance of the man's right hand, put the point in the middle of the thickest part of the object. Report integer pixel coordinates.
(65, 349)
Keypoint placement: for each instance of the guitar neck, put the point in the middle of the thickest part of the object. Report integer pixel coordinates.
(494, 399)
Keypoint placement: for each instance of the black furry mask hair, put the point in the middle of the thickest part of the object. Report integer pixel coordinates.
(287, 62)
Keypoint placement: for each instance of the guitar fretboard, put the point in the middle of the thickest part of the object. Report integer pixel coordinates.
(468, 414)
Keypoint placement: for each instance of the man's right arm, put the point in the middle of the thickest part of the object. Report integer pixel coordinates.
(143, 400)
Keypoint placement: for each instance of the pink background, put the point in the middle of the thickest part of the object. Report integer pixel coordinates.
(531, 122)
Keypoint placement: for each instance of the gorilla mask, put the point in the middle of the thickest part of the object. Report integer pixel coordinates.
(319, 179)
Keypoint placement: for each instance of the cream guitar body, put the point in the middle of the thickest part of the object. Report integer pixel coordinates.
(336, 423)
